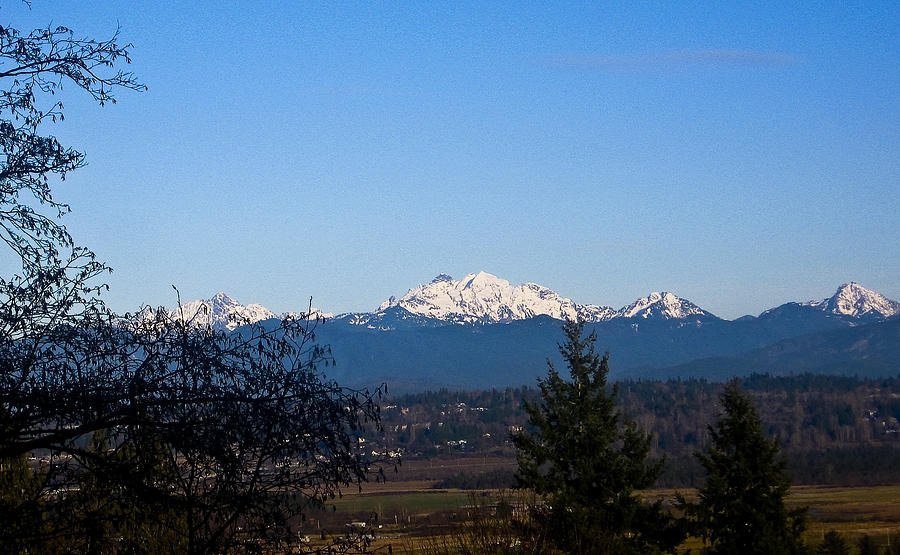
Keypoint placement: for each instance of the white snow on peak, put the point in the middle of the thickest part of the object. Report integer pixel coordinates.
(222, 312)
(852, 299)
(484, 297)
(661, 305)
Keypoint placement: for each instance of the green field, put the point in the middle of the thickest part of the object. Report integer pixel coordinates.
(416, 519)
(854, 512)
(421, 503)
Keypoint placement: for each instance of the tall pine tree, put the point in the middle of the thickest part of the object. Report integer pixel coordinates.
(585, 459)
(741, 507)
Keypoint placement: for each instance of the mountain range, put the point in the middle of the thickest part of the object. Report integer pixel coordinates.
(482, 331)
(485, 298)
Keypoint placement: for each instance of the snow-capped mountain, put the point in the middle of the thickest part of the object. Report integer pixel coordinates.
(485, 298)
(854, 300)
(663, 305)
(414, 342)
(221, 312)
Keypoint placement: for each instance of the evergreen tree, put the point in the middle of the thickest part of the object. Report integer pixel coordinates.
(586, 460)
(867, 546)
(893, 546)
(833, 544)
(741, 507)
(23, 519)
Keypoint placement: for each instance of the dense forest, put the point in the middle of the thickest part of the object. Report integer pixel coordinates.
(833, 430)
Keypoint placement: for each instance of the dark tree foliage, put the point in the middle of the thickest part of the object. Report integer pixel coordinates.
(145, 433)
(34, 67)
(586, 460)
(867, 546)
(833, 544)
(235, 433)
(54, 292)
(22, 521)
(741, 506)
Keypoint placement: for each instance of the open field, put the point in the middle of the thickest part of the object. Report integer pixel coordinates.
(854, 512)
(433, 469)
(415, 518)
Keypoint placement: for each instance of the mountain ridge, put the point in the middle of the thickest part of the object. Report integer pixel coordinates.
(660, 335)
(224, 313)
(483, 298)
(852, 299)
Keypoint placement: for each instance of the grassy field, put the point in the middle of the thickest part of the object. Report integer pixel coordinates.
(854, 512)
(415, 503)
(414, 517)
(417, 519)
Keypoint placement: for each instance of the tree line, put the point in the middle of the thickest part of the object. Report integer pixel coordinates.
(835, 430)
(587, 460)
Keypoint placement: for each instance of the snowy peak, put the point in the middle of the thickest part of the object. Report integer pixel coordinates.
(663, 305)
(221, 312)
(485, 298)
(854, 300)
(480, 281)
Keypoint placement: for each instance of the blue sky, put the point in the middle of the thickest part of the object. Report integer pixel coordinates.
(740, 155)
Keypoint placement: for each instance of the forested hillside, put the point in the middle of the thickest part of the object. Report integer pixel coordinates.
(834, 430)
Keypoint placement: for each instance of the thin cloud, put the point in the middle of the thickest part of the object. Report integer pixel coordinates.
(676, 60)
